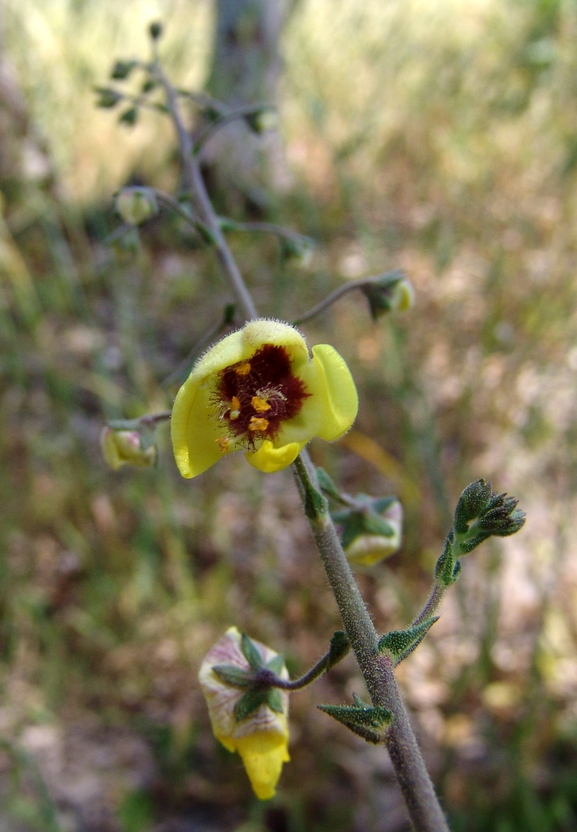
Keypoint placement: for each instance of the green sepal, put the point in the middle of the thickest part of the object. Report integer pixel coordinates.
(381, 504)
(401, 643)
(108, 98)
(373, 524)
(378, 293)
(276, 664)
(366, 721)
(251, 652)
(353, 527)
(147, 436)
(129, 117)
(274, 700)
(122, 69)
(250, 701)
(340, 647)
(327, 486)
(357, 522)
(232, 675)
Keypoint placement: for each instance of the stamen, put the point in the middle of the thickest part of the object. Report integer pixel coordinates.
(258, 423)
(259, 404)
(223, 444)
(243, 369)
(234, 411)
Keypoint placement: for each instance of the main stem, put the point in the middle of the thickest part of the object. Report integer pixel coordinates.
(422, 803)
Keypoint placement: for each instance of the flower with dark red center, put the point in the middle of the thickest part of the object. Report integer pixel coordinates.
(259, 390)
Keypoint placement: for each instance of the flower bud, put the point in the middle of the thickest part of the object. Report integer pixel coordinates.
(391, 292)
(368, 549)
(261, 738)
(136, 205)
(124, 447)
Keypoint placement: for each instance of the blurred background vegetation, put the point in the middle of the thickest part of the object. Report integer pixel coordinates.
(437, 137)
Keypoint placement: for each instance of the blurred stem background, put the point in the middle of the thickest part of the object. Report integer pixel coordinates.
(436, 137)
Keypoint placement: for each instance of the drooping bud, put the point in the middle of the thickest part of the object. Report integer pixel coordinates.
(391, 292)
(126, 447)
(372, 531)
(136, 205)
(251, 721)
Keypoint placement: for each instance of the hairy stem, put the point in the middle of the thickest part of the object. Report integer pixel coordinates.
(422, 803)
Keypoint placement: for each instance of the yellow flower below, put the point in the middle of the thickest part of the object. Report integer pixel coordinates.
(262, 738)
(260, 390)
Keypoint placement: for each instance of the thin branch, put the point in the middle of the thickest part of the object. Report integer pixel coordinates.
(333, 297)
(224, 119)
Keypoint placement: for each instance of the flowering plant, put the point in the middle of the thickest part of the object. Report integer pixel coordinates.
(261, 390)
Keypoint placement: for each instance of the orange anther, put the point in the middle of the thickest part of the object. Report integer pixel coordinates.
(243, 369)
(258, 423)
(223, 444)
(260, 405)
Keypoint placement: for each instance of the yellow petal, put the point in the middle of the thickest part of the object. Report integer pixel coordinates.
(269, 459)
(331, 406)
(194, 433)
(263, 755)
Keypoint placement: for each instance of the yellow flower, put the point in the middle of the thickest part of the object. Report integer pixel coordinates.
(259, 390)
(123, 447)
(262, 738)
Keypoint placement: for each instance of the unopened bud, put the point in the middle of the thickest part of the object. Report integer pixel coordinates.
(262, 121)
(260, 737)
(391, 292)
(124, 447)
(136, 205)
(367, 549)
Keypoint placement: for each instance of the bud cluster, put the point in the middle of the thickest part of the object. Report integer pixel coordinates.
(480, 514)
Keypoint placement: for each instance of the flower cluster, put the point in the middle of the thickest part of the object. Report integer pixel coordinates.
(261, 738)
(260, 390)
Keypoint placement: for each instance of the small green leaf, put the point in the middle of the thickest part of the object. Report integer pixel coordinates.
(401, 643)
(149, 85)
(251, 652)
(232, 675)
(366, 721)
(326, 485)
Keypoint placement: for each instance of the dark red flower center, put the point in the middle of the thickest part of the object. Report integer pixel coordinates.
(257, 395)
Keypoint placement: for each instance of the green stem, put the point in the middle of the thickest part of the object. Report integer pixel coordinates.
(422, 803)
(334, 296)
